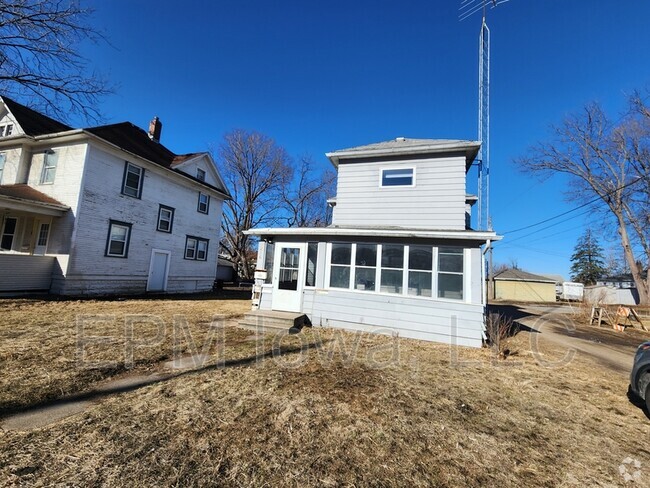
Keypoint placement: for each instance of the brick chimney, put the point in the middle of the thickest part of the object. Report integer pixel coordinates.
(155, 128)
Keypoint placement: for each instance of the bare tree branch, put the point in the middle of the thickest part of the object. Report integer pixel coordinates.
(306, 200)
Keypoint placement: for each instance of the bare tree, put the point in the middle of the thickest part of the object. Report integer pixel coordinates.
(306, 200)
(256, 171)
(40, 61)
(609, 162)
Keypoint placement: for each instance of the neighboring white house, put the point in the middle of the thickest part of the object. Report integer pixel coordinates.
(399, 256)
(103, 210)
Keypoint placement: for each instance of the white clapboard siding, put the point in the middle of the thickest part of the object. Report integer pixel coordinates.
(437, 201)
(21, 272)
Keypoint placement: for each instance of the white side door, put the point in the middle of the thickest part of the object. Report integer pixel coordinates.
(42, 236)
(158, 270)
(288, 276)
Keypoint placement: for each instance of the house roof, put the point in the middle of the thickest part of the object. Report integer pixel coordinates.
(519, 275)
(32, 122)
(352, 232)
(28, 194)
(622, 277)
(402, 146)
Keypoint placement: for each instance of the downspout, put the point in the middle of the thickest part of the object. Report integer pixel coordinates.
(488, 245)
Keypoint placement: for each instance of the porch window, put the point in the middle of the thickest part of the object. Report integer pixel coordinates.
(312, 258)
(119, 235)
(341, 263)
(43, 232)
(165, 218)
(268, 262)
(132, 181)
(450, 273)
(8, 233)
(204, 203)
(392, 268)
(200, 174)
(365, 269)
(397, 177)
(3, 158)
(50, 161)
(196, 248)
(420, 270)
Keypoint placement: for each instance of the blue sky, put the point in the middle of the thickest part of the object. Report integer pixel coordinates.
(319, 76)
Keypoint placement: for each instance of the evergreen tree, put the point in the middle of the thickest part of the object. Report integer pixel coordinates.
(587, 259)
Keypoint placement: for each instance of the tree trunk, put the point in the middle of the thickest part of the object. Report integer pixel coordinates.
(641, 285)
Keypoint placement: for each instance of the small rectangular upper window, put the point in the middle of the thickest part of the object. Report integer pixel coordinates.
(132, 181)
(50, 161)
(200, 174)
(397, 177)
(6, 130)
(204, 203)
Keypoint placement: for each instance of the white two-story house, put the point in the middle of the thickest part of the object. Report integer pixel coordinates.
(399, 257)
(103, 210)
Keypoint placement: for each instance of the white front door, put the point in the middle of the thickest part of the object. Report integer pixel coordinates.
(158, 270)
(288, 276)
(42, 237)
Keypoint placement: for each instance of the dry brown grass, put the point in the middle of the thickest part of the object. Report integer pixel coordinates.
(391, 412)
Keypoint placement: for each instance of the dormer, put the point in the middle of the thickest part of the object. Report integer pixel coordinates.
(407, 183)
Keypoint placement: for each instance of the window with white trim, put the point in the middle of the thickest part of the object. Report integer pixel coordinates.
(204, 203)
(450, 273)
(119, 235)
(365, 267)
(165, 218)
(268, 261)
(312, 260)
(3, 158)
(200, 174)
(8, 233)
(43, 233)
(6, 130)
(397, 177)
(392, 268)
(132, 180)
(196, 248)
(420, 279)
(340, 265)
(50, 161)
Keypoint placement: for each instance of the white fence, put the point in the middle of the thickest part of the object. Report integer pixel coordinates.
(608, 295)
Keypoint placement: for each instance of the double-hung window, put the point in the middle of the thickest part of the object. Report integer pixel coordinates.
(450, 273)
(204, 203)
(119, 235)
(200, 174)
(50, 161)
(196, 248)
(3, 158)
(365, 267)
(392, 268)
(6, 130)
(397, 177)
(165, 219)
(341, 263)
(132, 181)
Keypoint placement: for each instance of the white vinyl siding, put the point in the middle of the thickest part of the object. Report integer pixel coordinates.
(436, 201)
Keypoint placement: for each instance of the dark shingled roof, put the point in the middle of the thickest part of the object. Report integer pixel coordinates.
(26, 192)
(519, 275)
(32, 122)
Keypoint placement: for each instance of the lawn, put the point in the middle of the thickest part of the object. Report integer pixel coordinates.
(323, 408)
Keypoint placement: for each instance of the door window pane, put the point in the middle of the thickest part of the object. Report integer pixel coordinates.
(289, 262)
(42, 235)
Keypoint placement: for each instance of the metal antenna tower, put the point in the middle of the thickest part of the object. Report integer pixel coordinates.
(467, 9)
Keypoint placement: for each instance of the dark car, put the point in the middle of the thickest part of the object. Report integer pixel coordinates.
(640, 376)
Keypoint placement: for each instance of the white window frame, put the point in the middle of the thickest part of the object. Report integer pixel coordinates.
(4, 232)
(396, 168)
(138, 191)
(127, 240)
(200, 174)
(207, 203)
(196, 248)
(463, 274)
(50, 163)
(171, 211)
(6, 130)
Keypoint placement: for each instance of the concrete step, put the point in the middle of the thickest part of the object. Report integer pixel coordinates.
(274, 321)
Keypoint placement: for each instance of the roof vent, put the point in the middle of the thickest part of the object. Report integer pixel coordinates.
(400, 139)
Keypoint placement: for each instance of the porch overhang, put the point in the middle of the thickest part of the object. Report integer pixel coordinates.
(22, 198)
(465, 235)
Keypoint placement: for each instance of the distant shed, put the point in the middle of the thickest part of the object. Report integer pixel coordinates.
(520, 286)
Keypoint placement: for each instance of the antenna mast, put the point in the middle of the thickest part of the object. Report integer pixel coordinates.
(467, 9)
